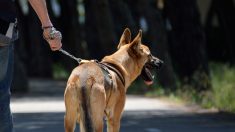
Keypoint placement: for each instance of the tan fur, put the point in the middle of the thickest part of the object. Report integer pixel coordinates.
(85, 87)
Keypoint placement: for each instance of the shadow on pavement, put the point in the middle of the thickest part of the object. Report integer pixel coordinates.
(135, 121)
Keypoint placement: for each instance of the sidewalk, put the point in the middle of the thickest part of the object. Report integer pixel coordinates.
(56, 104)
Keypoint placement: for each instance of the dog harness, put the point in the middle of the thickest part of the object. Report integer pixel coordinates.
(108, 66)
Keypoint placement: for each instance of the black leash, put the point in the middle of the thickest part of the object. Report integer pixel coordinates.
(70, 55)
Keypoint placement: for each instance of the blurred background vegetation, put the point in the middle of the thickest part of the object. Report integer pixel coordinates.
(195, 38)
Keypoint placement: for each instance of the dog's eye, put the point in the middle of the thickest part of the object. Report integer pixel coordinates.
(141, 50)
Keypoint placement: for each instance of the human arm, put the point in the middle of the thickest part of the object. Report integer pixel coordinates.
(40, 8)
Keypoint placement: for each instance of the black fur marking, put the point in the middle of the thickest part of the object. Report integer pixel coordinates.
(85, 106)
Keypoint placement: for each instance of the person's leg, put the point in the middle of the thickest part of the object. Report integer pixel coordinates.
(6, 71)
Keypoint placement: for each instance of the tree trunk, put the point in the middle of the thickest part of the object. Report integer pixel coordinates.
(187, 42)
(20, 78)
(155, 36)
(221, 39)
(122, 17)
(71, 32)
(39, 57)
(100, 35)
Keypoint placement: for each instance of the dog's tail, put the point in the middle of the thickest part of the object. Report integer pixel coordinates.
(77, 99)
(86, 120)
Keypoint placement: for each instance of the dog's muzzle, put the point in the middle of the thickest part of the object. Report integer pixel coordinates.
(155, 62)
(146, 71)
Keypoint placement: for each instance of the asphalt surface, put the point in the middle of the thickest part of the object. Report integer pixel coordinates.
(134, 121)
(42, 110)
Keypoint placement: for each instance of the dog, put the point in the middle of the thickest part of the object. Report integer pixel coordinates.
(98, 89)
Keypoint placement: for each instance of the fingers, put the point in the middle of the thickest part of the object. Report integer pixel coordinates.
(53, 37)
(55, 44)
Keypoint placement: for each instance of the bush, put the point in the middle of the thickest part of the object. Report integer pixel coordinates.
(223, 86)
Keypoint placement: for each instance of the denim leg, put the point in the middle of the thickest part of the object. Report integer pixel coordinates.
(6, 71)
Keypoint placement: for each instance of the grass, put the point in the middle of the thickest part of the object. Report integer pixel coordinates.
(223, 87)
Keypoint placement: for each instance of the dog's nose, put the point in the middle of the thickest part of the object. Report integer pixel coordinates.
(159, 63)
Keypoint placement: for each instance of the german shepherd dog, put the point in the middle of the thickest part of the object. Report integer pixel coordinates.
(98, 89)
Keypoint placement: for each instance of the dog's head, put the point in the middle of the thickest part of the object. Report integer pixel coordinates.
(141, 54)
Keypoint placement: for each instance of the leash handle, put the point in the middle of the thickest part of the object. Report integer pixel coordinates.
(71, 56)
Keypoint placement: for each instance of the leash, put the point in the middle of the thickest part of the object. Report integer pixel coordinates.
(70, 55)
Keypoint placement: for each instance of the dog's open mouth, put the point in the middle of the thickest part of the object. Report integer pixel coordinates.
(147, 75)
(146, 72)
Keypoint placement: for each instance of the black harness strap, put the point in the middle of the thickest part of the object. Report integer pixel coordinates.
(111, 67)
(108, 81)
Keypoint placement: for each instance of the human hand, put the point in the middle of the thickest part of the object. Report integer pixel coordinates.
(53, 37)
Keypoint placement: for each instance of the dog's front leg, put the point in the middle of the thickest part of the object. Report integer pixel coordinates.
(113, 124)
(114, 117)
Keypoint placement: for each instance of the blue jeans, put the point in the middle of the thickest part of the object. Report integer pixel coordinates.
(6, 71)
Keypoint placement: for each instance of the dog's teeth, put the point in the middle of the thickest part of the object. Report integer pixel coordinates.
(153, 76)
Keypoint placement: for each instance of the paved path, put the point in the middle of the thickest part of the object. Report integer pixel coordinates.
(44, 104)
(36, 113)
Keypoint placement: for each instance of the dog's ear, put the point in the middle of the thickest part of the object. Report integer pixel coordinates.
(126, 38)
(135, 44)
(137, 41)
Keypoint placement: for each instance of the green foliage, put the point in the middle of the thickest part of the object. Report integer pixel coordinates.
(222, 92)
(223, 83)
(59, 72)
(156, 91)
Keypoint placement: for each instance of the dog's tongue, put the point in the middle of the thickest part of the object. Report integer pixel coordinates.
(148, 82)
